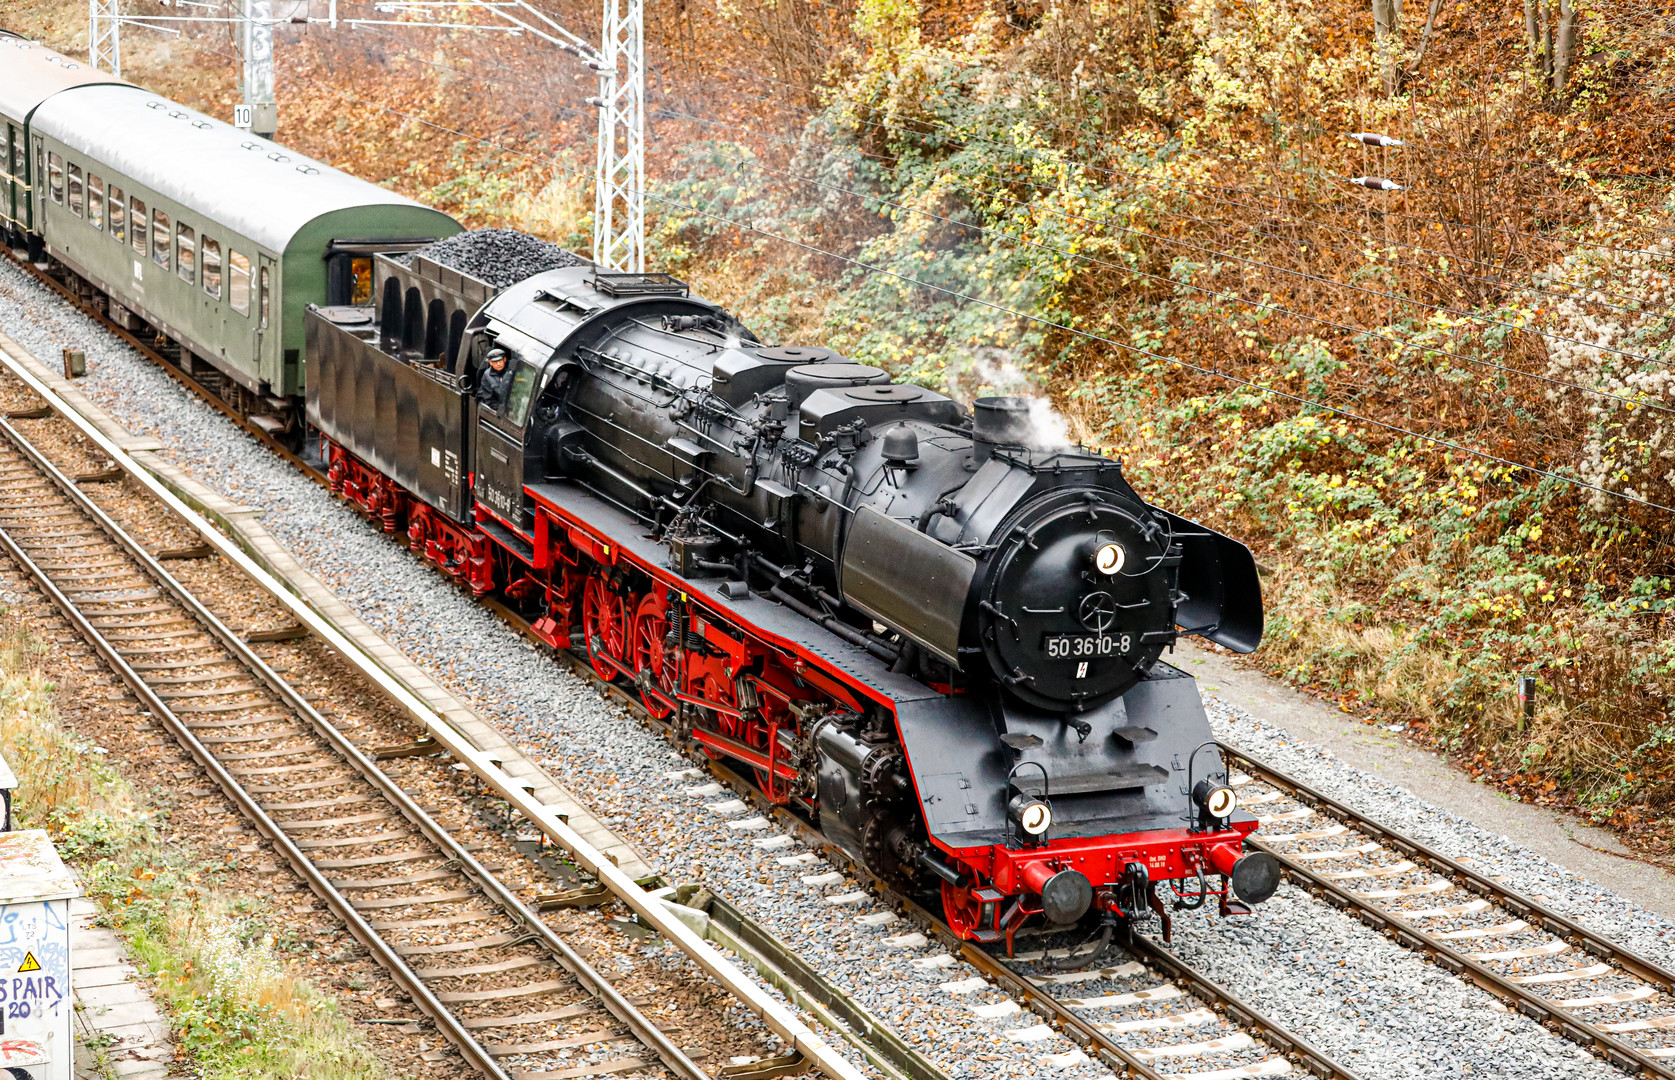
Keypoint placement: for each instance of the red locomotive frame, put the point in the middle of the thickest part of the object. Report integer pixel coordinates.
(621, 606)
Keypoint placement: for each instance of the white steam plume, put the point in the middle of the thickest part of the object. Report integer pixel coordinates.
(992, 372)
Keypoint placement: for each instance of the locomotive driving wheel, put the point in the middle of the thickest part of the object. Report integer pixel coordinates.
(962, 910)
(653, 658)
(604, 624)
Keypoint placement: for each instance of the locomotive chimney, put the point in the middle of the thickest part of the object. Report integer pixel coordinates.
(998, 421)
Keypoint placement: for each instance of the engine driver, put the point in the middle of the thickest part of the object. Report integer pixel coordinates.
(493, 379)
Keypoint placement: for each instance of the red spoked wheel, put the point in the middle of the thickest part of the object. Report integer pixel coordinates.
(652, 654)
(604, 624)
(719, 689)
(961, 909)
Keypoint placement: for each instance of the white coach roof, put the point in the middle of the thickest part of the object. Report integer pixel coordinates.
(236, 179)
(30, 73)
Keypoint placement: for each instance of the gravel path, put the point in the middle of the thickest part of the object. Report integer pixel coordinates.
(1374, 1006)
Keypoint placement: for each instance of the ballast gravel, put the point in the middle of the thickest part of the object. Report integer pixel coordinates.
(498, 257)
(1373, 1006)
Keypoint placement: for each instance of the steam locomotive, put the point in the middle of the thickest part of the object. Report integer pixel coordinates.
(922, 625)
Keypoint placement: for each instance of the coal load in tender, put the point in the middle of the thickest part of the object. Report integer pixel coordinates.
(498, 257)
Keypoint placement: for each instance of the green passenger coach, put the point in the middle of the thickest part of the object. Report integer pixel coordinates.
(209, 239)
(29, 74)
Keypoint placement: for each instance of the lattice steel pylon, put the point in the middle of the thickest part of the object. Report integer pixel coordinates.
(619, 211)
(104, 36)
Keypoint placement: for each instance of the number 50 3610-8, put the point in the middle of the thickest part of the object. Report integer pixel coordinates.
(1083, 646)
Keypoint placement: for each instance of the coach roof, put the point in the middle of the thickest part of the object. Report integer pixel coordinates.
(30, 73)
(236, 179)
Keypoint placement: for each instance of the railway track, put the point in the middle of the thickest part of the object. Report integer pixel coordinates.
(1587, 988)
(500, 984)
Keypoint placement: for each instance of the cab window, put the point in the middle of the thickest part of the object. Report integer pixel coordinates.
(77, 193)
(95, 201)
(136, 219)
(119, 216)
(238, 282)
(160, 238)
(186, 252)
(55, 178)
(518, 397)
(212, 267)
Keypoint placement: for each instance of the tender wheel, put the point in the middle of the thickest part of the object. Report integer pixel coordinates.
(603, 626)
(652, 654)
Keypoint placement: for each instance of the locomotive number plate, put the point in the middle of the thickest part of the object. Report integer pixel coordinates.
(1083, 646)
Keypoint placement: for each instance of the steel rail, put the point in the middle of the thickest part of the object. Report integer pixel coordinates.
(446, 1023)
(643, 1029)
(549, 820)
(1446, 955)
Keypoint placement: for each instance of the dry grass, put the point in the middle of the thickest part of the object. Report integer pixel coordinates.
(232, 1005)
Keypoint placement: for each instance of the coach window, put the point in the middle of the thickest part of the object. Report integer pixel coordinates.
(77, 192)
(262, 301)
(95, 201)
(136, 224)
(212, 267)
(55, 178)
(186, 252)
(160, 238)
(119, 216)
(238, 282)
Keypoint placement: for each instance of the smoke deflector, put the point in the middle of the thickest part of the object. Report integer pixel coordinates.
(906, 580)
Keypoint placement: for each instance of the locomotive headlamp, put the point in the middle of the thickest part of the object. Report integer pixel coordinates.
(1108, 559)
(1031, 814)
(1216, 800)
